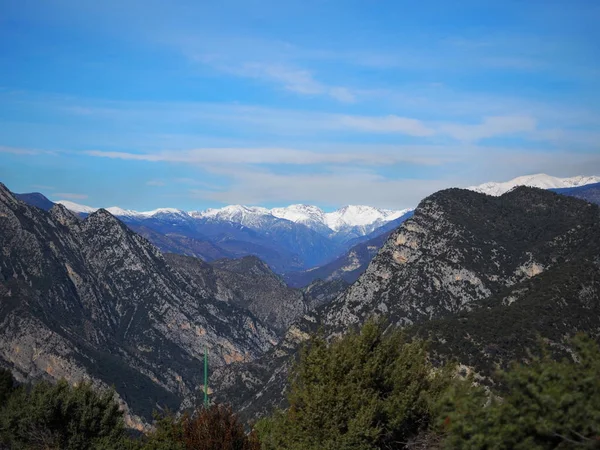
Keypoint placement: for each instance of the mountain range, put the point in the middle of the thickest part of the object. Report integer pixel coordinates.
(540, 180)
(294, 238)
(301, 242)
(480, 276)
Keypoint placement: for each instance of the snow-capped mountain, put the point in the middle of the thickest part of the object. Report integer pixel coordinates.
(359, 217)
(296, 237)
(249, 216)
(540, 180)
(76, 207)
(311, 216)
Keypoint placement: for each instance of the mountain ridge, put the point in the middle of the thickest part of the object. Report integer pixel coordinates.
(466, 271)
(91, 299)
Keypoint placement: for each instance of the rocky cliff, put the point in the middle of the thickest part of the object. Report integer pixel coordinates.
(91, 299)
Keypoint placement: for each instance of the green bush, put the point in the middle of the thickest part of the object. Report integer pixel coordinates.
(7, 385)
(367, 390)
(547, 404)
(58, 416)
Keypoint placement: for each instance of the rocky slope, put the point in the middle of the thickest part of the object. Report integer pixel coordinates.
(352, 264)
(249, 284)
(91, 299)
(461, 247)
(482, 276)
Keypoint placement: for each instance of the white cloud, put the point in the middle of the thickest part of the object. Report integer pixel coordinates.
(70, 195)
(387, 124)
(361, 155)
(338, 188)
(18, 151)
(490, 127)
(155, 183)
(300, 81)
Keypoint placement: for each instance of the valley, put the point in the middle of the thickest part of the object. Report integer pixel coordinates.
(86, 298)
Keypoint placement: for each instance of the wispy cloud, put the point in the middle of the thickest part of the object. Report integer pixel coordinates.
(338, 186)
(387, 124)
(490, 127)
(298, 80)
(334, 188)
(371, 156)
(69, 195)
(25, 151)
(157, 183)
(18, 151)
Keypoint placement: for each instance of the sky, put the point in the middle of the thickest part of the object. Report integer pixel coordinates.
(194, 104)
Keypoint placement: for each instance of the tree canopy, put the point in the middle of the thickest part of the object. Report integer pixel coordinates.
(368, 390)
(547, 404)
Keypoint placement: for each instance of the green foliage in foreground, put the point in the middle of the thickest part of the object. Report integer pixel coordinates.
(547, 404)
(368, 390)
(214, 428)
(58, 416)
(48, 416)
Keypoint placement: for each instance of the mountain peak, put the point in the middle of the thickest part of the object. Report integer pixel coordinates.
(76, 207)
(63, 215)
(36, 199)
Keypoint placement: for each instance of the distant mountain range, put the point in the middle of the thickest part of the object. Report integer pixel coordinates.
(342, 225)
(589, 192)
(540, 180)
(88, 298)
(301, 242)
(294, 238)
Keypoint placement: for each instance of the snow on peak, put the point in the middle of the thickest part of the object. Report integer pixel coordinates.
(116, 211)
(359, 216)
(305, 214)
(162, 211)
(76, 207)
(254, 216)
(232, 212)
(540, 180)
(348, 216)
(244, 215)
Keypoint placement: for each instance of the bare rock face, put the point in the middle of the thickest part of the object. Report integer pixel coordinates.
(90, 299)
(249, 284)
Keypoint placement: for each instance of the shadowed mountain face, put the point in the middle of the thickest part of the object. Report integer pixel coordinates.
(249, 284)
(287, 239)
(36, 199)
(352, 264)
(91, 299)
(589, 192)
(481, 276)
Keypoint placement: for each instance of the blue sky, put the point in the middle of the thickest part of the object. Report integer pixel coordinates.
(193, 104)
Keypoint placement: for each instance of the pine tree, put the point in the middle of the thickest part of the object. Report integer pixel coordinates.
(547, 404)
(367, 390)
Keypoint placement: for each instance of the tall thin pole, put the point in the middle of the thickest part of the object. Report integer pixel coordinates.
(205, 377)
